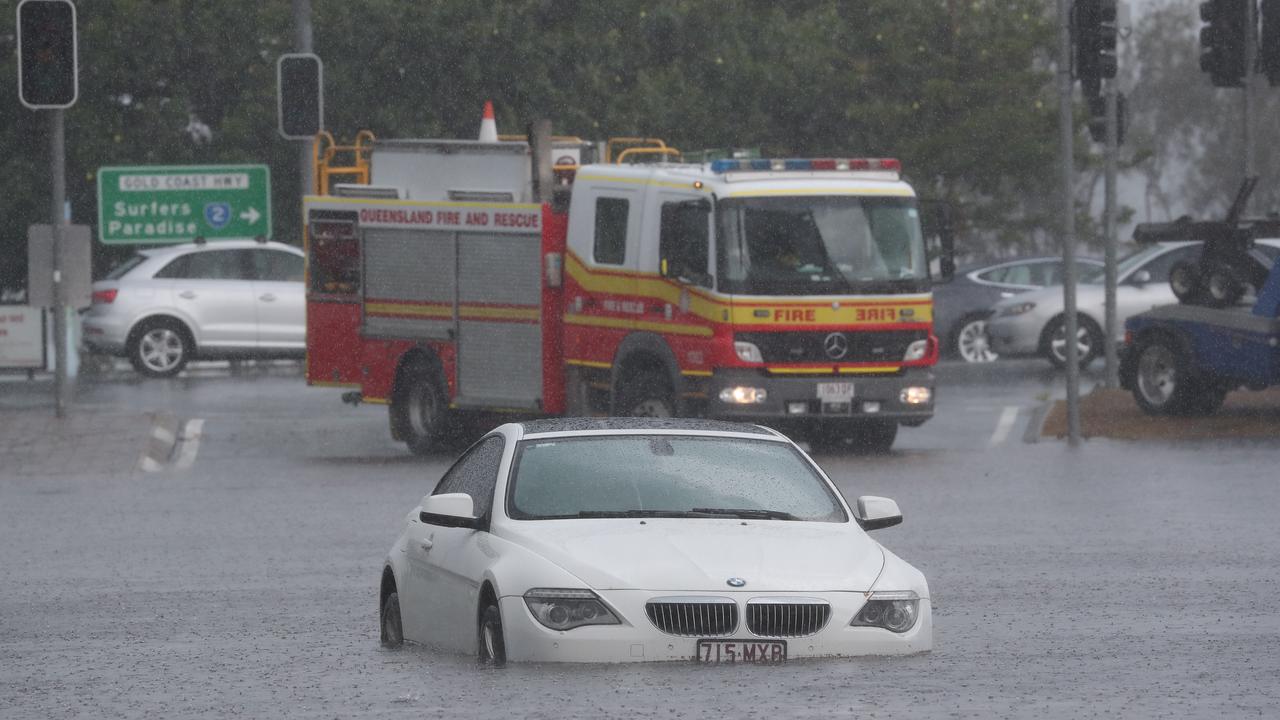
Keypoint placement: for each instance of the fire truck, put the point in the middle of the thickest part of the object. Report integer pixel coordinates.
(550, 276)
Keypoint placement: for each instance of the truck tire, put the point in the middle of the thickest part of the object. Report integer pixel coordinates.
(1163, 383)
(645, 394)
(864, 437)
(1222, 288)
(1184, 280)
(422, 409)
(1088, 344)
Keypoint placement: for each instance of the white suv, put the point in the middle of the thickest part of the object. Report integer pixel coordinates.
(229, 299)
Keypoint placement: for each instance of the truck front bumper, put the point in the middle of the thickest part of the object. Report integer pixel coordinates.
(795, 397)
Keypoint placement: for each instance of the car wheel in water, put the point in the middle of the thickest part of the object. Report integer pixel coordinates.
(1088, 341)
(646, 394)
(493, 647)
(1184, 280)
(160, 348)
(970, 341)
(392, 628)
(423, 410)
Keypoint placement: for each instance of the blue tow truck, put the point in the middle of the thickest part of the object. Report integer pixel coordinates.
(1183, 359)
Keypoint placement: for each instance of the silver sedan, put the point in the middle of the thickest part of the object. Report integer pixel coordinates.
(1033, 323)
(231, 299)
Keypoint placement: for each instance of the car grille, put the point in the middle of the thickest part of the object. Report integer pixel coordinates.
(693, 617)
(786, 617)
(804, 347)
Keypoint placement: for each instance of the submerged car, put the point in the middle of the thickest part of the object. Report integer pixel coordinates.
(626, 540)
(230, 299)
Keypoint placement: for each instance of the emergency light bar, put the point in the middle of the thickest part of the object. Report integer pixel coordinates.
(761, 164)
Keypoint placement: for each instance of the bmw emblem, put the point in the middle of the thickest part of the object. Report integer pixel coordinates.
(736, 582)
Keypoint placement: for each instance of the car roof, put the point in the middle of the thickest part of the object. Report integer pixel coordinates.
(625, 425)
(169, 250)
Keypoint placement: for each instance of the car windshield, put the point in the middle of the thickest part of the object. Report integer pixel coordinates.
(667, 476)
(820, 244)
(1094, 274)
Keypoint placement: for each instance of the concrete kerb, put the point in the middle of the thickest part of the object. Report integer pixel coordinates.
(161, 444)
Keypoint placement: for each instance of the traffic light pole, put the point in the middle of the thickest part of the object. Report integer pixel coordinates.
(1250, 52)
(57, 170)
(302, 39)
(1066, 126)
(1109, 234)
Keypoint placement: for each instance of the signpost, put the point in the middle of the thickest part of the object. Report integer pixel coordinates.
(151, 205)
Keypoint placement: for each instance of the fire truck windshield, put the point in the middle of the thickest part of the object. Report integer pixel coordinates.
(820, 245)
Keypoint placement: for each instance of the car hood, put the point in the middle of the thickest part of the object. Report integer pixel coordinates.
(696, 554)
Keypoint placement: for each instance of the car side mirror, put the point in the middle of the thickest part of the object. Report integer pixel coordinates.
(875, 512)
(1140, 278)
(448, 510)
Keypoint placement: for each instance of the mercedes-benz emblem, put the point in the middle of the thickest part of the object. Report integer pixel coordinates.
(736, 582)
(836, 345)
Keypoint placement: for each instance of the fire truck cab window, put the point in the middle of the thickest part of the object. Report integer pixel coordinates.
(610, 247)
(684, 240)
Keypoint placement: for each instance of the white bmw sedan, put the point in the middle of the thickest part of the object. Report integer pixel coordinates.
(624, 540)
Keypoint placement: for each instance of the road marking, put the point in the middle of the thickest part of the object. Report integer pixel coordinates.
(1003, 427)
(190, 443)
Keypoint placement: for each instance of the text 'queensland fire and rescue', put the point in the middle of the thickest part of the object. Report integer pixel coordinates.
(453, 218)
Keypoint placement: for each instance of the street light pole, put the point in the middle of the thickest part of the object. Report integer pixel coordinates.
(1109, 235)
(57, 170)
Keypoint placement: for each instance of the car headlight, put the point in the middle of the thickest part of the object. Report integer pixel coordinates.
(1018, 309)
(747, 352)
(568, 608)
(892, 611)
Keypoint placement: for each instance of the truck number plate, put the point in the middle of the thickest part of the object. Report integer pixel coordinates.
(835, 391)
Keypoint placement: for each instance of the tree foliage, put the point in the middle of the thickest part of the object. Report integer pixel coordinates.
(960, 91)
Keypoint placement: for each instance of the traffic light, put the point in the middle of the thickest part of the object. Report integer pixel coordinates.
(300, 95)
(1098, 118)
(1222, 41)
(47, 72)
(1093, 25)
(1269, 47)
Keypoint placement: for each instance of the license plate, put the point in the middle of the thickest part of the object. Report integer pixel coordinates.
(835, 391)
(741, 651)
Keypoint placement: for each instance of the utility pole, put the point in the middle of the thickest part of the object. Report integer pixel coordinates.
(302, 44)
(1066, 127)
(1250, 52)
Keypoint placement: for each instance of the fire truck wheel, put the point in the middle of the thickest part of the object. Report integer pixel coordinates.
(646, 394)
(424, 411)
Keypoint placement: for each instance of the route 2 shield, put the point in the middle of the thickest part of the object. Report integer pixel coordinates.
(217, 214)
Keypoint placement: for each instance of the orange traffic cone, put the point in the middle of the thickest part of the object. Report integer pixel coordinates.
(488, 126)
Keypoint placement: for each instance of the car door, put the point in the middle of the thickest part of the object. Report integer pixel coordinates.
(1134, 296)
(447, 564)
(214, 289)
(280, 299)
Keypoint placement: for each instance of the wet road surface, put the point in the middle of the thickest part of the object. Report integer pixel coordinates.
(1127, 579)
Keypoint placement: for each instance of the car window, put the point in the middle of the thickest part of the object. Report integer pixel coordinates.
(210, 265)
(1045, 273)
(120, 270)
(1270, 251)
(1160, 266)
(631, 474)
(475, 474)
(1016, 274)
(277, 266)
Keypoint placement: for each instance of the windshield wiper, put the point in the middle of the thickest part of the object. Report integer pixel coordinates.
(632, 513)
(747, 513)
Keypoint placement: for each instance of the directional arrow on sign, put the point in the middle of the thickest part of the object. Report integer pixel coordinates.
(251, 215)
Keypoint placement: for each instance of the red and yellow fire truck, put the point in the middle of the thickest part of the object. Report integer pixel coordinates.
(462, 276)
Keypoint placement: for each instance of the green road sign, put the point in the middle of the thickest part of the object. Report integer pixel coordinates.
(150, 205)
